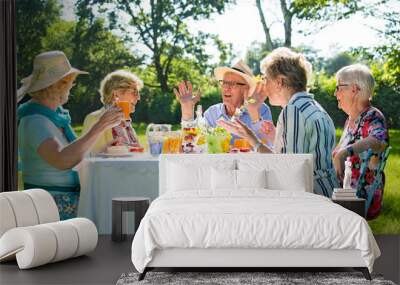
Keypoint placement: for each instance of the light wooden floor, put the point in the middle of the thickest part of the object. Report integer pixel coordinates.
(110, 260)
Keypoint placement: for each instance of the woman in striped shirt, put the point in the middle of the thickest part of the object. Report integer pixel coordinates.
(303, 125)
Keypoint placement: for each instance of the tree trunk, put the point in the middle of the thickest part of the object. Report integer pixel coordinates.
(161, 77)
(287, 17)
(288, 31)
(268, 41)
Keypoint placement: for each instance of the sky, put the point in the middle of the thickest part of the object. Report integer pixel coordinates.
(240, 25)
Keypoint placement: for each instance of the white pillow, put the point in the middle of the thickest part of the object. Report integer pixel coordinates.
(182, 177)
(251, 178)
(223, 179)
(283, 172)
(292, 179)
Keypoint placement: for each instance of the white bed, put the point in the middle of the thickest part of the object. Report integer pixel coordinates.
(221, 211)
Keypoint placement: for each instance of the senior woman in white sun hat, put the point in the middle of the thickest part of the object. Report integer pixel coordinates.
(47, 144)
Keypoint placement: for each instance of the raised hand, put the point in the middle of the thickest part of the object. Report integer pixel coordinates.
(187, 98)
(254, 100)
(240, 129)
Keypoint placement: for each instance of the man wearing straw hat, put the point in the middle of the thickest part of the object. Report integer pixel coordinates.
(236, 83)
(47, 144)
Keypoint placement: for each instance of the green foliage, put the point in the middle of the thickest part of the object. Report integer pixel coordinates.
(325, 9)
(340, 60)
(386, 97)
(162, 28)
(33, 17)
(323, 90)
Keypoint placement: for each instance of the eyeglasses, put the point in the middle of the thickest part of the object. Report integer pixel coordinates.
(134, 91)
(231, 84)
(337, 87)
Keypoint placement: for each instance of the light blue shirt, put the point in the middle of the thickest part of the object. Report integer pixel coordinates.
(32, 132)
(217, 111)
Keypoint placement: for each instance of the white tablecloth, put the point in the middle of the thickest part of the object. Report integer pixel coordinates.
(104, 178)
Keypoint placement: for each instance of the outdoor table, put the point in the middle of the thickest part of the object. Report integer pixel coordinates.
(105, 178)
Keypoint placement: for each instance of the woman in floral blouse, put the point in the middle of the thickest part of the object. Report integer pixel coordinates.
(364, 129)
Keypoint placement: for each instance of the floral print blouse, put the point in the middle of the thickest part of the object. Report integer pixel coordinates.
(370, 122)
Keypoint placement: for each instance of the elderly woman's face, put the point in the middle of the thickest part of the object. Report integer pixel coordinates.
(64, 87)
(233, 87)
(346, 95)
(272, 90)
(128, 94)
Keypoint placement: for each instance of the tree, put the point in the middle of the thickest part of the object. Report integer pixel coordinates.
(269, 46)
(160, 26)
(33, 17)
(311, 10)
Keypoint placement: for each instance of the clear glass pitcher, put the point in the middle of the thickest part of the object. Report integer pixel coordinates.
(155, 134)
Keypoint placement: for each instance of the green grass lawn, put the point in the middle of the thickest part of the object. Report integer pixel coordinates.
(388, 221)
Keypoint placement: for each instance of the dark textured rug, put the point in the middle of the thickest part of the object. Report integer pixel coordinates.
(243, 278)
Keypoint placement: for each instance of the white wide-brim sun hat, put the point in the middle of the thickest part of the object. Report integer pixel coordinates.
(240, 68)
(48, 68)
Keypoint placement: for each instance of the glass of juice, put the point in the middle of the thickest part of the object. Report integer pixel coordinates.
(126, 108)
(172, 142)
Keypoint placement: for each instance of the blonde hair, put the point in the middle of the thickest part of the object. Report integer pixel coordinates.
(119, 79)
(293, 66)
(53, 91)
(360, 75)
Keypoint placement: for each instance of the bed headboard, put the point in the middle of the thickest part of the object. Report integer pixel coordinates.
(286, 169)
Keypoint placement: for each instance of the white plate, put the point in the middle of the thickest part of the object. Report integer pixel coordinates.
(106, 154)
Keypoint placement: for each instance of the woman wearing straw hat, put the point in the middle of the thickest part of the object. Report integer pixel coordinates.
(235, 82)
(47, 144)
(303, 125)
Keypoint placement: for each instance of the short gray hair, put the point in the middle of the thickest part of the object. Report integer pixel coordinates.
(296, 69)
(360, 75)
(119, 79)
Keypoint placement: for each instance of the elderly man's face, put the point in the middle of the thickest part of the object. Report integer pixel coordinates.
(233, 88)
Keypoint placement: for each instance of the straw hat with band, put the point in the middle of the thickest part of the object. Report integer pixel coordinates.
(239, 68)
(48, 68)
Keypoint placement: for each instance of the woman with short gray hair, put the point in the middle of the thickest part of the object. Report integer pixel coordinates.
(119, 85)
(303, 125)
(364, 129)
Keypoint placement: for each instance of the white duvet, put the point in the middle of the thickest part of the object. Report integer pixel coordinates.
(250, 219)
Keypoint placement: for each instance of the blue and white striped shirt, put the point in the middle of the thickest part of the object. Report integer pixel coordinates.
(305, 127)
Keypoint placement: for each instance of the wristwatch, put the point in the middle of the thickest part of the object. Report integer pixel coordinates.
(256, 146)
